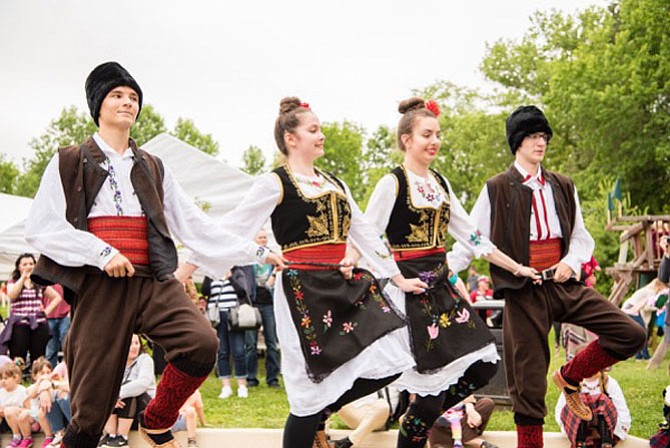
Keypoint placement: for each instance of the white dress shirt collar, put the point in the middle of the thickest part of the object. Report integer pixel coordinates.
(109, 151)
(527, 177)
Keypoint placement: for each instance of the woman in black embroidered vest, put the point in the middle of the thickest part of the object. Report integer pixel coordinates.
(415, 207)
(340, 337)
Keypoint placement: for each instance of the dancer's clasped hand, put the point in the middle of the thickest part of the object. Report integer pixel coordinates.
(276, 260)
(347, 268)
(413, 285)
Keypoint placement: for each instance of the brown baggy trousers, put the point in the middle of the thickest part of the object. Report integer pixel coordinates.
(528, 315)
(104, 317)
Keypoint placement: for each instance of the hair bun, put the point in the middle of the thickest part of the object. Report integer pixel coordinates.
(411, 104)
(289, 104)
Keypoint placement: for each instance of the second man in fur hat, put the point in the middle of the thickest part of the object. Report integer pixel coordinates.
(533, 215)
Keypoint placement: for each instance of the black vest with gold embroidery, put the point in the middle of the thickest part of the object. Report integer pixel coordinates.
(301, 221)
(414, 228)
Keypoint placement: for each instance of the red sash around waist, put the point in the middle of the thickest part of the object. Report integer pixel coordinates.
(128, 234)
(321, 253)
(400, 255)
(545, 253)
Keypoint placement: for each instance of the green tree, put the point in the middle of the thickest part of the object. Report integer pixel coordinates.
(9, 175)
(278, 159)
(70, 128)
(148, 125)
(253, 160)
(602, 78)
(380, 156)
(186, 131)
(343, 150)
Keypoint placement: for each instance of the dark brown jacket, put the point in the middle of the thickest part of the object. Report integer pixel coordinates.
(511, 203)
(81, 178)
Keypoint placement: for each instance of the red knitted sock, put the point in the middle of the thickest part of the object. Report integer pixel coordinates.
(529, 436)
(172, 392)
(587, 363)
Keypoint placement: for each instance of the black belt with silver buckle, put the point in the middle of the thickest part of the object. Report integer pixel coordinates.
(548, 274)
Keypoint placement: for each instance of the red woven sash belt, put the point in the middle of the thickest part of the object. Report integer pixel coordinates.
(128, 234)
(545, 253)
(322, 253)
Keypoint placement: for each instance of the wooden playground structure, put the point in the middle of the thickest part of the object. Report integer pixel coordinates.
(639, 253)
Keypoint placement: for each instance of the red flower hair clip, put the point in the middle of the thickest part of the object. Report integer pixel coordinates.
(432, 106)
(305, 105)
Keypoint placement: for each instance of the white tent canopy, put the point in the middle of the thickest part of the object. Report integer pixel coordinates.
(12, 244)
(213, 184)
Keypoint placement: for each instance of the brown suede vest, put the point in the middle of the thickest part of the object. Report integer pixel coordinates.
(81, 178)
(511, 203)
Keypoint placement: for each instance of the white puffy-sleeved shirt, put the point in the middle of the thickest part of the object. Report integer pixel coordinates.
(48, 231)
(544, 223)
(427, 192)
(261, 200)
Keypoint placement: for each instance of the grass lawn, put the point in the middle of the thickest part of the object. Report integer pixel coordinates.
(268, 408)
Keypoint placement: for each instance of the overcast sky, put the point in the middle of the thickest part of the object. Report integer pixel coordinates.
(226, 64)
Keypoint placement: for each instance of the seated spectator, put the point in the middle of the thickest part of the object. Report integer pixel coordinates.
(223, 295)
(12, 397)
(483, 291)
(640, 307)
(33, 416)
(463, 425)
(189, 414)
(137, 389)
(365, 415)
(4, 359)
(611, 417)
(56, 402)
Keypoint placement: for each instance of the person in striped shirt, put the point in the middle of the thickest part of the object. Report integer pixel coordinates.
(29, 328)
(224, 294)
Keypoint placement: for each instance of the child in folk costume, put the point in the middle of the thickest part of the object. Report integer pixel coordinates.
(103, 218)
(416, 207)
(339, 335)
(611, 416)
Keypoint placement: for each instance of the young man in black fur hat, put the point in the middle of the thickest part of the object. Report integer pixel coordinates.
(533, 215)
(103, 219)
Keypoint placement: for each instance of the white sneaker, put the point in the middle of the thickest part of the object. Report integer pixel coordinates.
(242, 392)
(55, 443)
(226, 392)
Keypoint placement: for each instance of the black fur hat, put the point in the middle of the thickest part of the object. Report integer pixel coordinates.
(104, 78)
(524, 121)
